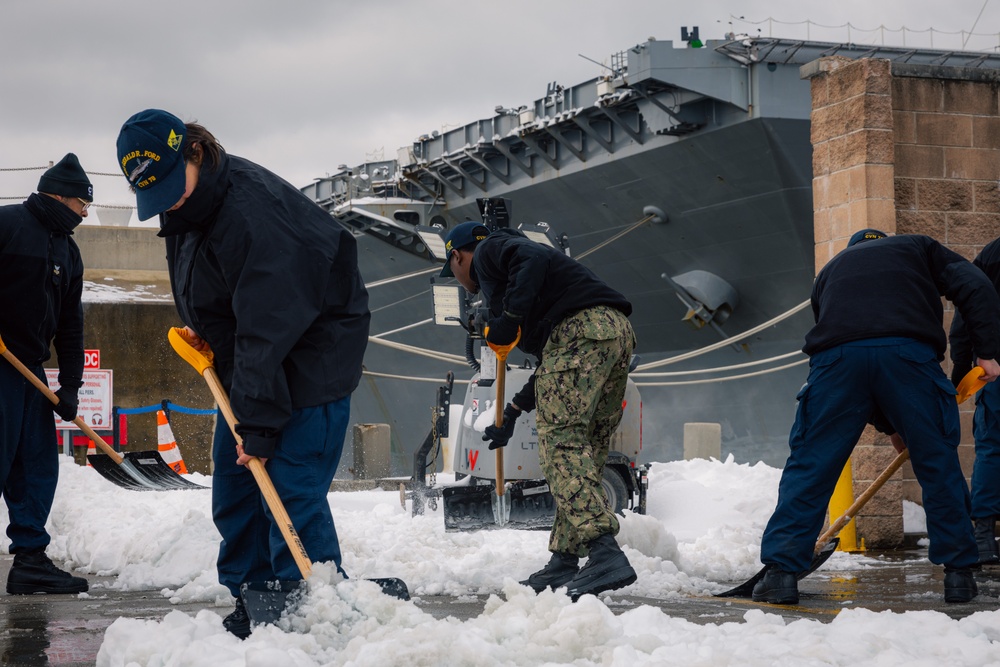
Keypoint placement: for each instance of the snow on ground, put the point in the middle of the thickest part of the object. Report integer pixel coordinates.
(703, 526)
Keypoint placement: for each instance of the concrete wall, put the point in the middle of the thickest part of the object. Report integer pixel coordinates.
(908, 149)
(99, 249)
(132, 338)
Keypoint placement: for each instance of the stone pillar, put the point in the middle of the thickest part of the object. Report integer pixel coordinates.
(853, 189)
(851, 125)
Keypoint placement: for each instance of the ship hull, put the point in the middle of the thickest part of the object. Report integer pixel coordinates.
(738, 204)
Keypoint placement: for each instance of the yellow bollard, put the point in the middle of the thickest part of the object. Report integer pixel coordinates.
(840, 501)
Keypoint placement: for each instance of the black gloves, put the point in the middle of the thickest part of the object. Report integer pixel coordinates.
(68, 403)
(500, 435)
(880, 422)
(525, 399)
(502, 331)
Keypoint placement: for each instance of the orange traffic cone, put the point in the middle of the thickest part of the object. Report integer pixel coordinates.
(91, 449)
(167, 445)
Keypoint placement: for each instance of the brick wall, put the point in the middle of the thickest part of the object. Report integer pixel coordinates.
(906, 149)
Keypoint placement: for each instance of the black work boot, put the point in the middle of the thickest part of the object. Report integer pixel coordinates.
(959, 584)
(238, 622)
(607, 569)
(777, 587)
(986, 542)
(560, 569)
(33, 572)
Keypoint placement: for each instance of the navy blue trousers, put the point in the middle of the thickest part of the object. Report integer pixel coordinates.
(986, 471)
(29, 458)
(302, 469)
(903, 378)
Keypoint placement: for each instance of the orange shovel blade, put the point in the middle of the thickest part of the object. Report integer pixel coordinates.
(970, 384)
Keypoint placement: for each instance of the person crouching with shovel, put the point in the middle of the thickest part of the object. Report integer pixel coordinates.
(578, 327)
(261, 276)
(875, 356)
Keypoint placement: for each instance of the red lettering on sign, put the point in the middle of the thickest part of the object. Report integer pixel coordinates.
(473, 457)
(91, 360)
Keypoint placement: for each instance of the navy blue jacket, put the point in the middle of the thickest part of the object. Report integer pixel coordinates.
(963, 352)
(271, 282)
(893, 287)
(41, 283)
(536, 285)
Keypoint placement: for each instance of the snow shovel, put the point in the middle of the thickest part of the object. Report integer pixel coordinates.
(827, 542)
(970, 384)
(501, 500)
(264, 601)
(138, 471)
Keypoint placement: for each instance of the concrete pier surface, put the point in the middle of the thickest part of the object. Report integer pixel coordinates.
(67, 630)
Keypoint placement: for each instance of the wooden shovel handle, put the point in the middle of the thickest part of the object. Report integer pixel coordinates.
(263, 479)
(49, 394)
(501, 351)
(837, 525)
(501, 377)
(203, 361)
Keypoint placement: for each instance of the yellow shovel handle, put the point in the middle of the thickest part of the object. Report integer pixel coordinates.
(501, 351)
(204, 363)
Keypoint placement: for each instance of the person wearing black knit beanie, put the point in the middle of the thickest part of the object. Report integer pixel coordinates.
(67, 181)
(41, 283)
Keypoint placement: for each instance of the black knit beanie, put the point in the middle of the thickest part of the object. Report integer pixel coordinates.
(67, 178)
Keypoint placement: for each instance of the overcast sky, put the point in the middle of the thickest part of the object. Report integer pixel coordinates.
(301, 86)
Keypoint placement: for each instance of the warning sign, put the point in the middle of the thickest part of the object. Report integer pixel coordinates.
(95, 399)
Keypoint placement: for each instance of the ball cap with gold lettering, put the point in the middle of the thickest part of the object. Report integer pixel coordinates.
(460, 236)
(150, 155)
(865, 235)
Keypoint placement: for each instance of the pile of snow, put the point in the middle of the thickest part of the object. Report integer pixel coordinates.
(703, 526)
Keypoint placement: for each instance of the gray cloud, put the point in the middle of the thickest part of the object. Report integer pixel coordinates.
(303, 86)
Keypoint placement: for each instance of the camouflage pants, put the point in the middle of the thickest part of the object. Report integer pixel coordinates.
(580, 385)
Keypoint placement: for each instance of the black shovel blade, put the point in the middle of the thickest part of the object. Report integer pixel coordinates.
(745, 590)
(266, 601)
(393, 587)
(141, 471)
(527, 505)
(118, 474)
(152, 466)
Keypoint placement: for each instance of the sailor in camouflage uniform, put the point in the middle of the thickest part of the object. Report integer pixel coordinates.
(578, 327)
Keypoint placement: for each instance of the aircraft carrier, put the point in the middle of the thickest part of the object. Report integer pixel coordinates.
(681, 175)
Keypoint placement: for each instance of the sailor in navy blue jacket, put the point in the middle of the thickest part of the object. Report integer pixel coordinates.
(985, 422)
(876, 348)
(271, 283)
(41, 284)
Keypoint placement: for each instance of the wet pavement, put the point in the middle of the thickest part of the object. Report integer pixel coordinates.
(901, 581)
(67, 630)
